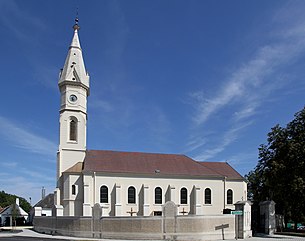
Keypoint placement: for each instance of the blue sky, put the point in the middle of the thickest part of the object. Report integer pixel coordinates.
(204, 78)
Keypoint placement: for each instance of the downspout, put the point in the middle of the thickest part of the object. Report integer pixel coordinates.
(224, 192)
(94, 191)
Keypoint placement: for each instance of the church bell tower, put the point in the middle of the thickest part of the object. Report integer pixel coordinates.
(74, 89)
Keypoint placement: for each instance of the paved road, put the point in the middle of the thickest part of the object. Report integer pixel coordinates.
(28, 235)
(29, 239)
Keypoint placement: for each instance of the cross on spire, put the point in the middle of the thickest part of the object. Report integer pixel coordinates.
(76, 26)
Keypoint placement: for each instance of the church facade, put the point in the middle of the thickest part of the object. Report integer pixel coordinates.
(129, 183)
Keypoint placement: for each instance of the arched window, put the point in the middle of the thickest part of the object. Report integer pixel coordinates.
(131, 195)
(73, 190)
(207, 196)
(158, 195)
(73, 129)
(229, 196)
(183, 196)
(104, 194)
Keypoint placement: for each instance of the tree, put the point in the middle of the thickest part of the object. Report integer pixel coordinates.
(279, 174)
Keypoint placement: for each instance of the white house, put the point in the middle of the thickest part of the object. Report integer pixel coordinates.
(13, 213)
(129, 183)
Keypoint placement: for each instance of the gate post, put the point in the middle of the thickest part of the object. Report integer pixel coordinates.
(267, 210)
(243, 221)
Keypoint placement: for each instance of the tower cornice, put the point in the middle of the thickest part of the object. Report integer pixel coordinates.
(74, 83)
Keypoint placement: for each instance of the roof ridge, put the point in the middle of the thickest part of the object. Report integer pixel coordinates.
(141, 152)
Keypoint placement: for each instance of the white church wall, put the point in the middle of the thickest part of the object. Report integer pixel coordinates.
(68, 158)
(216, 186)
(73, 195)
(239, 192)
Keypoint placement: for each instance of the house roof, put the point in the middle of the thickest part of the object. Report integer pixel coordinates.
(9, 209)
(151, 163)
(46, 202)
(2, 210)
(223, 168)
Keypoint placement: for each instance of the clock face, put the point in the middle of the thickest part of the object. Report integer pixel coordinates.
(73, 98)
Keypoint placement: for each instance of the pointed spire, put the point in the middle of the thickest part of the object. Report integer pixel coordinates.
(75, 41)
(74, 70)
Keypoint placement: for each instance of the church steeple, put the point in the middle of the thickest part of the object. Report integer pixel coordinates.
(74, 90)
(74, 71)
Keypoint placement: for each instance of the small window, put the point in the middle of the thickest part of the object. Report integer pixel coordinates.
(229, 196)
(158, 195)
(183, 196)
(73, 129)
(131, 195)
(73, 190)
(104, 194)
(207, 196)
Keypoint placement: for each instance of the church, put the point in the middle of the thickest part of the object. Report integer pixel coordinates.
(129, 183)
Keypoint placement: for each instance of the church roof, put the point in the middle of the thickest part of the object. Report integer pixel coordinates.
(147, 163)
(77, 168)
(223, 168)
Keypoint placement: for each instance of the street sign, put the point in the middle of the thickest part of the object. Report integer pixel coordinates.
(234, 212)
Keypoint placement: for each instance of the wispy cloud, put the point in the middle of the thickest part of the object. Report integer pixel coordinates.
(246, 82)
(228, 137)
(38, 175)
(195, 143)
(249, 85)
(19, 137)
(9, 164)
(14, 18)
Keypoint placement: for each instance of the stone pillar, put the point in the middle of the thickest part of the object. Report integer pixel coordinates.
(267, 217)
(118, 198)
(37, 211)
(173, 194)
(97, 213)
(58, 211)
(198, 199)
(169, 211)
(87, 210)
(243, 220)
(57, 196)
(146, 207)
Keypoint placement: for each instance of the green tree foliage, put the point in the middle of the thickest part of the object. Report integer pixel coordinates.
(8, 199)
(280, 172)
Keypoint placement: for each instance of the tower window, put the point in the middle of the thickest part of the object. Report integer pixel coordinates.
(229, 196)
(183, 195)
(131, 195)
(207, 196)
(158, 195)
(73, 129)
(104, 194)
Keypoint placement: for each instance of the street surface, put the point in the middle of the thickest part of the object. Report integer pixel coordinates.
(29, 235)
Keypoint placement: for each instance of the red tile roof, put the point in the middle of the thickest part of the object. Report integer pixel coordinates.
(223, 168)
(147, 163)
(77, 168)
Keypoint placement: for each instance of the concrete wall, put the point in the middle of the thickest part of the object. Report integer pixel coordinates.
(179, 227)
